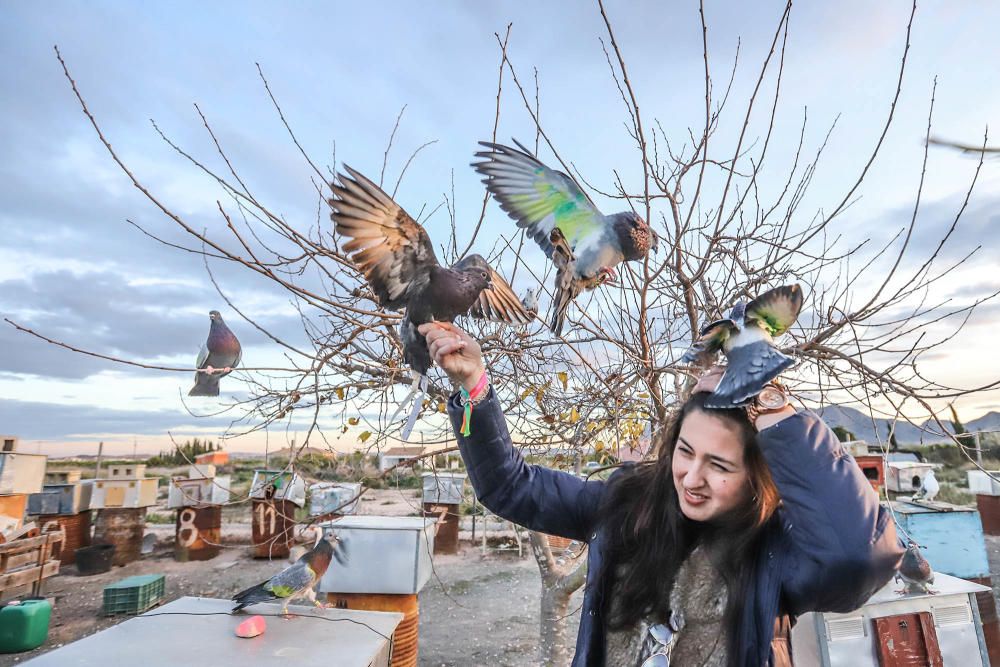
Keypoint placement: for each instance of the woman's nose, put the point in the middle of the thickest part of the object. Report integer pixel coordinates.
(694, 477)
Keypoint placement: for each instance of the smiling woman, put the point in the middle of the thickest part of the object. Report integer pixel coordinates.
(704, 555)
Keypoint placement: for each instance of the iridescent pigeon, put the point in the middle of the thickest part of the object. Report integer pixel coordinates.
(746, 337)
(296, 580)
(218, 357)
(914, 571)
(583, 243)
(396, 256)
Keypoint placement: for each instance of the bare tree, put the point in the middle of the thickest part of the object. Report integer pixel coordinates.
(871, 315)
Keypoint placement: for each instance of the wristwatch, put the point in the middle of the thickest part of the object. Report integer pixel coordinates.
(772, 398)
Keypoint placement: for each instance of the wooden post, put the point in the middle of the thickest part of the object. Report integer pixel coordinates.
(100, 453)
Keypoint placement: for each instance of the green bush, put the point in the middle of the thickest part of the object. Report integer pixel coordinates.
(955, 495)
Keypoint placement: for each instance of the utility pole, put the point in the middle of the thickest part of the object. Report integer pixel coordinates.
(979, 448)
(100, 454)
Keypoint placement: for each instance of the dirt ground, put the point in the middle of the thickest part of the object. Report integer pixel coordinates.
(476, 609)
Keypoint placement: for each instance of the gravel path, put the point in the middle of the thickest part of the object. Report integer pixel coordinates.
(476, 609)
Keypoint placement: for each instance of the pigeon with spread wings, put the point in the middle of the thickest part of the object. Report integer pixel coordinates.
(583, 243)
(746, 337)
(396, 256)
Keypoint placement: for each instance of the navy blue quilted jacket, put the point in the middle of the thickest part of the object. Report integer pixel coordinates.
(831, 548)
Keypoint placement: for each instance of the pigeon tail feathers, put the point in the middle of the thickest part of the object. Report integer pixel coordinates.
(205, 385)
(252, 596)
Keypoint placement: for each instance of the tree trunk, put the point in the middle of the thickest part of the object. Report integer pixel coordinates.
(559, 581)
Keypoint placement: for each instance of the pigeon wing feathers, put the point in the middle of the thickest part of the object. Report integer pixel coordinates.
(539, 198)
(292, 580)
(391, 249)
(202, 360)
(500, 304)
(750, 367)
(711, 340)
(776, 310)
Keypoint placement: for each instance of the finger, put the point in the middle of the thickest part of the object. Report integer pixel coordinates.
(448, 348)
(430, 327)
(448, 326)
(440, 342)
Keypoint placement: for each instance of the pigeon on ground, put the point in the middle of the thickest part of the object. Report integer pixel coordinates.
(396, 256)
(914, 571)
(747, 336)
(296, 580)
(583, 243)
(218, 357)
(929, 487)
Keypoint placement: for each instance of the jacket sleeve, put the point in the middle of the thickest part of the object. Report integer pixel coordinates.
(842, 545)
(532, 496)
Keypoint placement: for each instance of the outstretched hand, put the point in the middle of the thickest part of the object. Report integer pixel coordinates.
(455, 351)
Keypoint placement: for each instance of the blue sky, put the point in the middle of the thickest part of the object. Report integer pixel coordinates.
(72, 267)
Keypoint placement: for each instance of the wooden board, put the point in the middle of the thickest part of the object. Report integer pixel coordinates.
(29, 575)
(908, 640)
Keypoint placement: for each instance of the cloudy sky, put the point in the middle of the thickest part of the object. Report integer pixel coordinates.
(73, 268)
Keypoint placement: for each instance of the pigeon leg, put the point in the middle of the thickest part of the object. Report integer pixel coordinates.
(607, 276)
(415, 410)
(311, 595)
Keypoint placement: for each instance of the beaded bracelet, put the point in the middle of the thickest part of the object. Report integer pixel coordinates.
(470, 399)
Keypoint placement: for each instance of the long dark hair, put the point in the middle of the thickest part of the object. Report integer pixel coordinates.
(649, 537)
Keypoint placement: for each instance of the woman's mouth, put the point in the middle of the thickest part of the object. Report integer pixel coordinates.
(693, 498)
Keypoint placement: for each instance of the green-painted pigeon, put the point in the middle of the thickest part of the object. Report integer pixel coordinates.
(583, 243)
(296, 580)
(747, 338)
(218, 357)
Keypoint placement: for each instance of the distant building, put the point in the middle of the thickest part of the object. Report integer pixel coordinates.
(396, 455)
(213, 458)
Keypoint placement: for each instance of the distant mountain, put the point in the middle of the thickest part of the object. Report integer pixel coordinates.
(864, 427)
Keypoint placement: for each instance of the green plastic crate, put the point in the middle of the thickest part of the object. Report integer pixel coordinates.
(134, 595)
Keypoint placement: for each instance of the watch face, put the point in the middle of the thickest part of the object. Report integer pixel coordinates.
(772, 398)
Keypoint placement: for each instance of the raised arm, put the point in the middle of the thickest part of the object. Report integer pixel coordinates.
(529, 495)
(532, 496)
(842, 543)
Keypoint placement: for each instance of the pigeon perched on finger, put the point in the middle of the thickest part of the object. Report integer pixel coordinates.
(219, 355)
(746, 336)
(584, 244)
(396, 257)
(914, 571)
